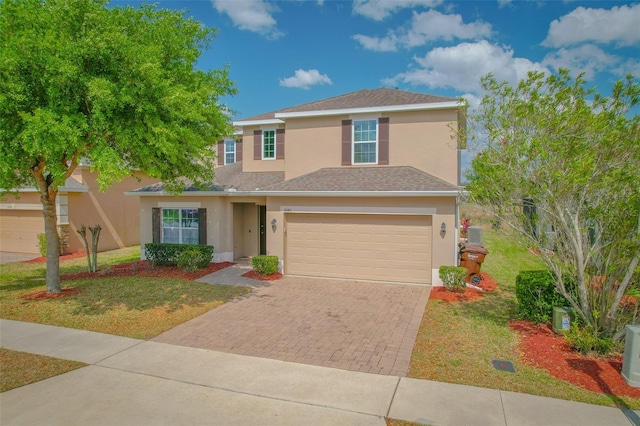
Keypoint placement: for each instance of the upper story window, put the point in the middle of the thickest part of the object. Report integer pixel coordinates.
(180, 226)
(268, 144)
(229, 151)
(365, 141)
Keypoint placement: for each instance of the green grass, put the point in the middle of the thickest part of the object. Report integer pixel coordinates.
(138, 307)
(457, 341)
(21, 368)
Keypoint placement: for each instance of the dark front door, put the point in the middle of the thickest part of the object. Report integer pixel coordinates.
(262, 223)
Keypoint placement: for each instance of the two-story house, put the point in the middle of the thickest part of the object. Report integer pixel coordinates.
(358, 186)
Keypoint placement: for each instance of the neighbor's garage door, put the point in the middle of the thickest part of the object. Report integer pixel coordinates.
(19, 230)
(355, 246)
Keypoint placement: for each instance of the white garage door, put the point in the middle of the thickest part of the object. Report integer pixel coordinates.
(19, 230)
(368, 247)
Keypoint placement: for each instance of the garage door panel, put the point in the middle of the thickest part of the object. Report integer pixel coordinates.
(19, 230)
(373, 247)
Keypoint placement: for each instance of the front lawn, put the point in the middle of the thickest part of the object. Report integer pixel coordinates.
(136, 306)
(21, 368)
(457, 341)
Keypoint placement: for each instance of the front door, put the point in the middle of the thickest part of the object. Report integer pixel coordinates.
(262, 224)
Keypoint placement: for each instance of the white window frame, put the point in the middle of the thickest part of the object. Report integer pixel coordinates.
(180, 228)
(229, 152)
(353, 141)
(274, 144)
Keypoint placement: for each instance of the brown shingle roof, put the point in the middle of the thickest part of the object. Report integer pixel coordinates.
(361, 99)
(229, 177)
(375, 178)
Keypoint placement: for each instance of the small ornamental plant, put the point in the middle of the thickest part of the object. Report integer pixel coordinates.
(453, 278)
(464, 227)
(265, 265)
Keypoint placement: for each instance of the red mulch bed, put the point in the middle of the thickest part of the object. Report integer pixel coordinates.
(43, 259)
(542, 348)
(42, 294)
(256, 276)
(142, 268)
(487, 284)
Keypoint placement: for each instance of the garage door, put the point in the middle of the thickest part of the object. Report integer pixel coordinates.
(368, 247)
(19, 230)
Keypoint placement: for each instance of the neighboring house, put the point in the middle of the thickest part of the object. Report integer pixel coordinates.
(359, 186)
(79, 203)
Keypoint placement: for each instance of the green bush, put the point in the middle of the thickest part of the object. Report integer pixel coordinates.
(191, 260)
(164, 254)
(265, 265)
(42, 244)
(537, 296)
(585, 340)
(453, 278)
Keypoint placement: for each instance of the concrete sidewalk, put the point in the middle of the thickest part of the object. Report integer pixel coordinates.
(135, 382)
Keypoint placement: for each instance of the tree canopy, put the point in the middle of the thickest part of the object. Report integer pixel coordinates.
(115, 86)
(560, 163)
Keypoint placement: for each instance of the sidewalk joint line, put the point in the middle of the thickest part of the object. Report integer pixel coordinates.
(393, 397)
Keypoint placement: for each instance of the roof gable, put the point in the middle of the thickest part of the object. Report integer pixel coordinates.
(361, 99)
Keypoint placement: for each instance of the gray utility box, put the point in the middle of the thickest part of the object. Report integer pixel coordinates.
(475, 235)
(631, 362)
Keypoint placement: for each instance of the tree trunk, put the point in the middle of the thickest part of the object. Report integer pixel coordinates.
(53, 245)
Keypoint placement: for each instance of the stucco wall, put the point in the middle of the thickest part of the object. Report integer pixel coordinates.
(116, 213)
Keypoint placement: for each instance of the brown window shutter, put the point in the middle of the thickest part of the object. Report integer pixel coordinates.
(156, 221)
(220, 153)
(238, 150)
(383, 140)
(202, 226)
(257, 144)
(346, 142)
(279, 144)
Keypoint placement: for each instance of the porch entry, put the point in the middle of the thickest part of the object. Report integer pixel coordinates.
(249, 230)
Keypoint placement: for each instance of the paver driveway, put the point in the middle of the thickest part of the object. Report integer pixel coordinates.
(351, 325)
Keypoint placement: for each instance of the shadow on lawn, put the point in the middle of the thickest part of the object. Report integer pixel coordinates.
(496, 307)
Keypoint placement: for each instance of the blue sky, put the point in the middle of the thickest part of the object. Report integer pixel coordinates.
(284, 53)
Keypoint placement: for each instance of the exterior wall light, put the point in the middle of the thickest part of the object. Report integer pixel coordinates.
(443, 229)
(273, 224)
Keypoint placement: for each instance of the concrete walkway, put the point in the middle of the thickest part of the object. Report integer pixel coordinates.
(136, 382)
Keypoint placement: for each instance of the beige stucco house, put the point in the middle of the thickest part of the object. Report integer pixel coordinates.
(79, 202)
(359, 186)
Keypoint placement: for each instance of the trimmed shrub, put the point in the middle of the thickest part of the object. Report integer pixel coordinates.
(265, 265)
(165, 254)
(191, 260)
(537, 295)
(453, 278)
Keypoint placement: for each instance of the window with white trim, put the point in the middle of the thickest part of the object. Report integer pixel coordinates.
(268, 144)
(365, 142)
(180, 226)
(229, 151)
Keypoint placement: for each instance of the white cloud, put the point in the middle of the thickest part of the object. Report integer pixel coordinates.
(380, 9)
(305, 79)
(461, 67)
(503, 3)
(587, 58)
(251, 15)
(385, 44)
(425, 27)
(616, 25)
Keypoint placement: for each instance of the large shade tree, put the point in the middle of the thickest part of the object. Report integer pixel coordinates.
(117, 87)
(560, 164)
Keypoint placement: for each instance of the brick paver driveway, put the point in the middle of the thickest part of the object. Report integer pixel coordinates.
(351, 325)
